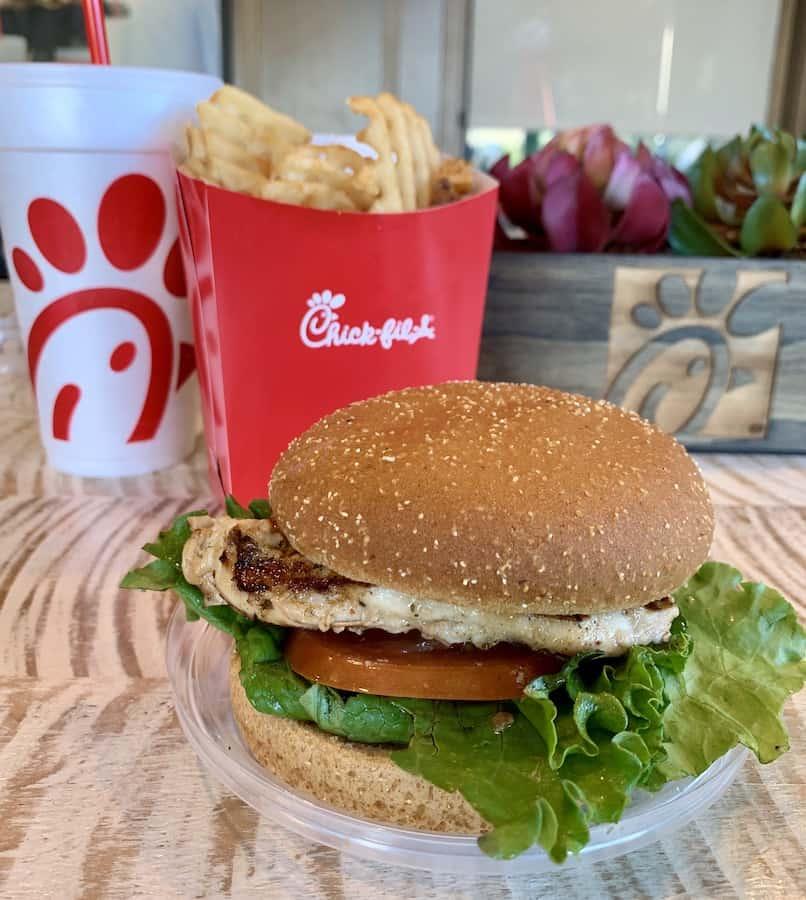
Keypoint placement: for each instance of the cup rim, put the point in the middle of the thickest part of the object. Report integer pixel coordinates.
(40, 74)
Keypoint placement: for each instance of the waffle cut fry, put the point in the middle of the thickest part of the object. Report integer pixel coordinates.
(240, 141)
(452, 180)
(243, 145)
(338, 168)
(407, 157)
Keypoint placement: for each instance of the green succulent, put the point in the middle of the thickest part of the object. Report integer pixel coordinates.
(749, 198)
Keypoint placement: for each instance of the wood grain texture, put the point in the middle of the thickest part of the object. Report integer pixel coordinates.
(712, 350)
(101, 796)
(702, 397)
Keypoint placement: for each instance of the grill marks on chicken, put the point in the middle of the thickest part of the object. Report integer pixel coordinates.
(254, 571)
(251, 565)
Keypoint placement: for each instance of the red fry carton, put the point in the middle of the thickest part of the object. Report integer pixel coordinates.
(298, 311)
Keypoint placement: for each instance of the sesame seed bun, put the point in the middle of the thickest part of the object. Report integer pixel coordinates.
(500, 497)
(357, 778)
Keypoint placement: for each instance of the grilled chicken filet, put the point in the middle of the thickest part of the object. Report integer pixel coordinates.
(250, 565)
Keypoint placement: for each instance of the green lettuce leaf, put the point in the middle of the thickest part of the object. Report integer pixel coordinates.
(359, 717)
(171, 542)
(159, 575)
(260, 509)
(257, 509)
(235, 509)
(582, 740)
(565, 757)
(571, 751)
(504, 776)
(273, 688)
(165, 573)
(747, 659)
(268, 681)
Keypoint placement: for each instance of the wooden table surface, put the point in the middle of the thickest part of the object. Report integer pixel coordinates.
(101, 796)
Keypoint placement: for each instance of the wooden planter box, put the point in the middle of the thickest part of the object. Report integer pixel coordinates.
(711, 350)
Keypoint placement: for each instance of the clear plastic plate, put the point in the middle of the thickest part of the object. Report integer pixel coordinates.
(198, 666)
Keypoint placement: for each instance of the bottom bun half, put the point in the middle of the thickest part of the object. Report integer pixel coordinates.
(359, 779)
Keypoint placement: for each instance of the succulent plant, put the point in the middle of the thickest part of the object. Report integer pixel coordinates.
(587, 191)
(749, 198)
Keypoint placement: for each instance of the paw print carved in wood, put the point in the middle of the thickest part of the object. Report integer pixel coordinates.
(683, 364)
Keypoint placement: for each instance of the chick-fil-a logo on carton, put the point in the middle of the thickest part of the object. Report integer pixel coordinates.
(321, 326)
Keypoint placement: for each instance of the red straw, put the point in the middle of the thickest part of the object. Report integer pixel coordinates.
(95, 23)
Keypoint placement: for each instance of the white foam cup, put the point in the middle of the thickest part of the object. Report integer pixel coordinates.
(88, 218)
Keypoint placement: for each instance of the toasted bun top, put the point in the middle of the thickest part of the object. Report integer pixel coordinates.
(496, 496)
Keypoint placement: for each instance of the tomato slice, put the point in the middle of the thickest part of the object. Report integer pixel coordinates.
(407, 665)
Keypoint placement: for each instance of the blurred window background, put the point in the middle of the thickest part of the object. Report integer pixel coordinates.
(663, 71)
(306, 57)
(173, 34)
(493, 76)
(499, 76)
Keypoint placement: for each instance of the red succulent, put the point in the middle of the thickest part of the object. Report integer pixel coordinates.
(586, 191)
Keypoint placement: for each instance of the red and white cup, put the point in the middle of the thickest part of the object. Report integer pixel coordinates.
(297, 312)
(89, 226)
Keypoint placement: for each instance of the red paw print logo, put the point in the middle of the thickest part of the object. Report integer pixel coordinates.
(130, 228)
